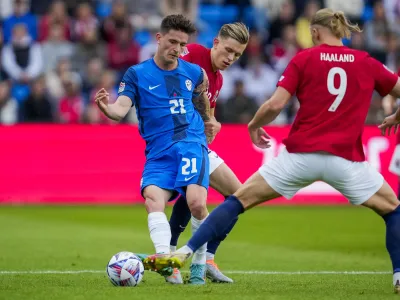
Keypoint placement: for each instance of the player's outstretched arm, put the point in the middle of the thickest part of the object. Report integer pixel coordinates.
(201, 101)
(270, 109)
(116, 111)
(265, 115)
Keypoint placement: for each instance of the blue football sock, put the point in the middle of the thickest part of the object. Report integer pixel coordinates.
(180, 217)
(213, 245)
(392, 221)
(216, 223)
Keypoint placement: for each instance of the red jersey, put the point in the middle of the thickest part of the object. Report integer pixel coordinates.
(199, 55)
(334, 85)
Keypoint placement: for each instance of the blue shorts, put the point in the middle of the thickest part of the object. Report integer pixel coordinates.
(182, 164)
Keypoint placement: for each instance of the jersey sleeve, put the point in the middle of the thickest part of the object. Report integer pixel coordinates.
(129, 85)
(290, 77)
(384, 79)
(198, 82)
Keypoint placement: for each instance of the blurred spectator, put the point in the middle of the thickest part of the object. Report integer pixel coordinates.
(393, 51)
(303, 24)
(56, 47)
(351, 8)
(285, 17)
(260, 80)
(85, 21)
(56, 15)
(92, 75)
(20, 15)
(37, 108)
(357, 41)
(375, 113)
(282, 51)
(3, 75)
(145, 13)
(89, 47)
(376, 32)
(40, 7)
(149, 50)
(54, 79)
(8, 105)
(22, 58)
(6, 8)
(119, 18)
(240, 108)
(94, 115)
(72, 104)
(124, 52)
(188, 8)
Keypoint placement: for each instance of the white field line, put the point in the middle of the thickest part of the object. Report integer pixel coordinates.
(40, 272)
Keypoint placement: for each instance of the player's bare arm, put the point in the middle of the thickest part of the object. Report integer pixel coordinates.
(201, 101)
(392, 122)
(265, 115)
(116, 111)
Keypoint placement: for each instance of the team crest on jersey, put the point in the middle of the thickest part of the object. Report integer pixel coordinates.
(188, 84)
(121, 87)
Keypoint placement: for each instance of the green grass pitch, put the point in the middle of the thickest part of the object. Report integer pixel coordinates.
(266, 240)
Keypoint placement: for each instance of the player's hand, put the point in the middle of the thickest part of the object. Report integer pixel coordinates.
(212, 127)
(388, 124)
(102, 97)
(260, 138)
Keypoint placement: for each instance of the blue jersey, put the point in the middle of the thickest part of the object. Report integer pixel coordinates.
(163, 101)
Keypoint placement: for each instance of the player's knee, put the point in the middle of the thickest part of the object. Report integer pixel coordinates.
(198, 207)
(154, 205)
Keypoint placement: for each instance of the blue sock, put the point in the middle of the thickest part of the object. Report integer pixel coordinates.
(392, 221)
(213, 245)
(216, 223)
(180, 217)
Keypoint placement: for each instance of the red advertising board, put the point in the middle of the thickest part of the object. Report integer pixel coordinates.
(83, 164)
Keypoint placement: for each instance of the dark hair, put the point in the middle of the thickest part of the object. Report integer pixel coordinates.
(179, 23)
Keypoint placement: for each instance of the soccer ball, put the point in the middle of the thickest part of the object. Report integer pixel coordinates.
(125, 269)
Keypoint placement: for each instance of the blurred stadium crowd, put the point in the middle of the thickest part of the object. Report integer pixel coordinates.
(56, 54)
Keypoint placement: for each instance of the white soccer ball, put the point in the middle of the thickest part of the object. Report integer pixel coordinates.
(125, 269)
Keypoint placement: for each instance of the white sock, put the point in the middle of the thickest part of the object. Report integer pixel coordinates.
(172, 248)
(209, 256)
(185, 249)
(199, 256)
(160, 231)
(396, 277)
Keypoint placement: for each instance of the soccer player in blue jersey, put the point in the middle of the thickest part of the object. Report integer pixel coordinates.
(162, 90)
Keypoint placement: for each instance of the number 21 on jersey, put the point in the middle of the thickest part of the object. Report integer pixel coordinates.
(339, 91)
(177, 107)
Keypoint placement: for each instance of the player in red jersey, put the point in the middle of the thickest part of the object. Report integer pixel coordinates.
(228, 46)
(334, 85)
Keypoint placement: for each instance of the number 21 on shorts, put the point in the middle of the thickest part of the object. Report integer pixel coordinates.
(189, 168)
(337, 91)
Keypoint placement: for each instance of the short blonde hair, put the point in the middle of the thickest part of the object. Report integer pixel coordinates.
(337, 22)
(237, 31)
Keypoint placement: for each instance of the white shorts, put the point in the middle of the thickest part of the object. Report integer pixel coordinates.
(289, 172)
(394, 166)
(215, 160)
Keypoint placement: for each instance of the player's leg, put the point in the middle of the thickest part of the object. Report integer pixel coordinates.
(363, 185)
(193, 175)
(157, 184)
(223, 180)
(155, 200)
(385, 203)
(179, 219)
(283, 175)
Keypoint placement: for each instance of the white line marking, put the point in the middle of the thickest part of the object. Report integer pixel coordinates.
(38, 272)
